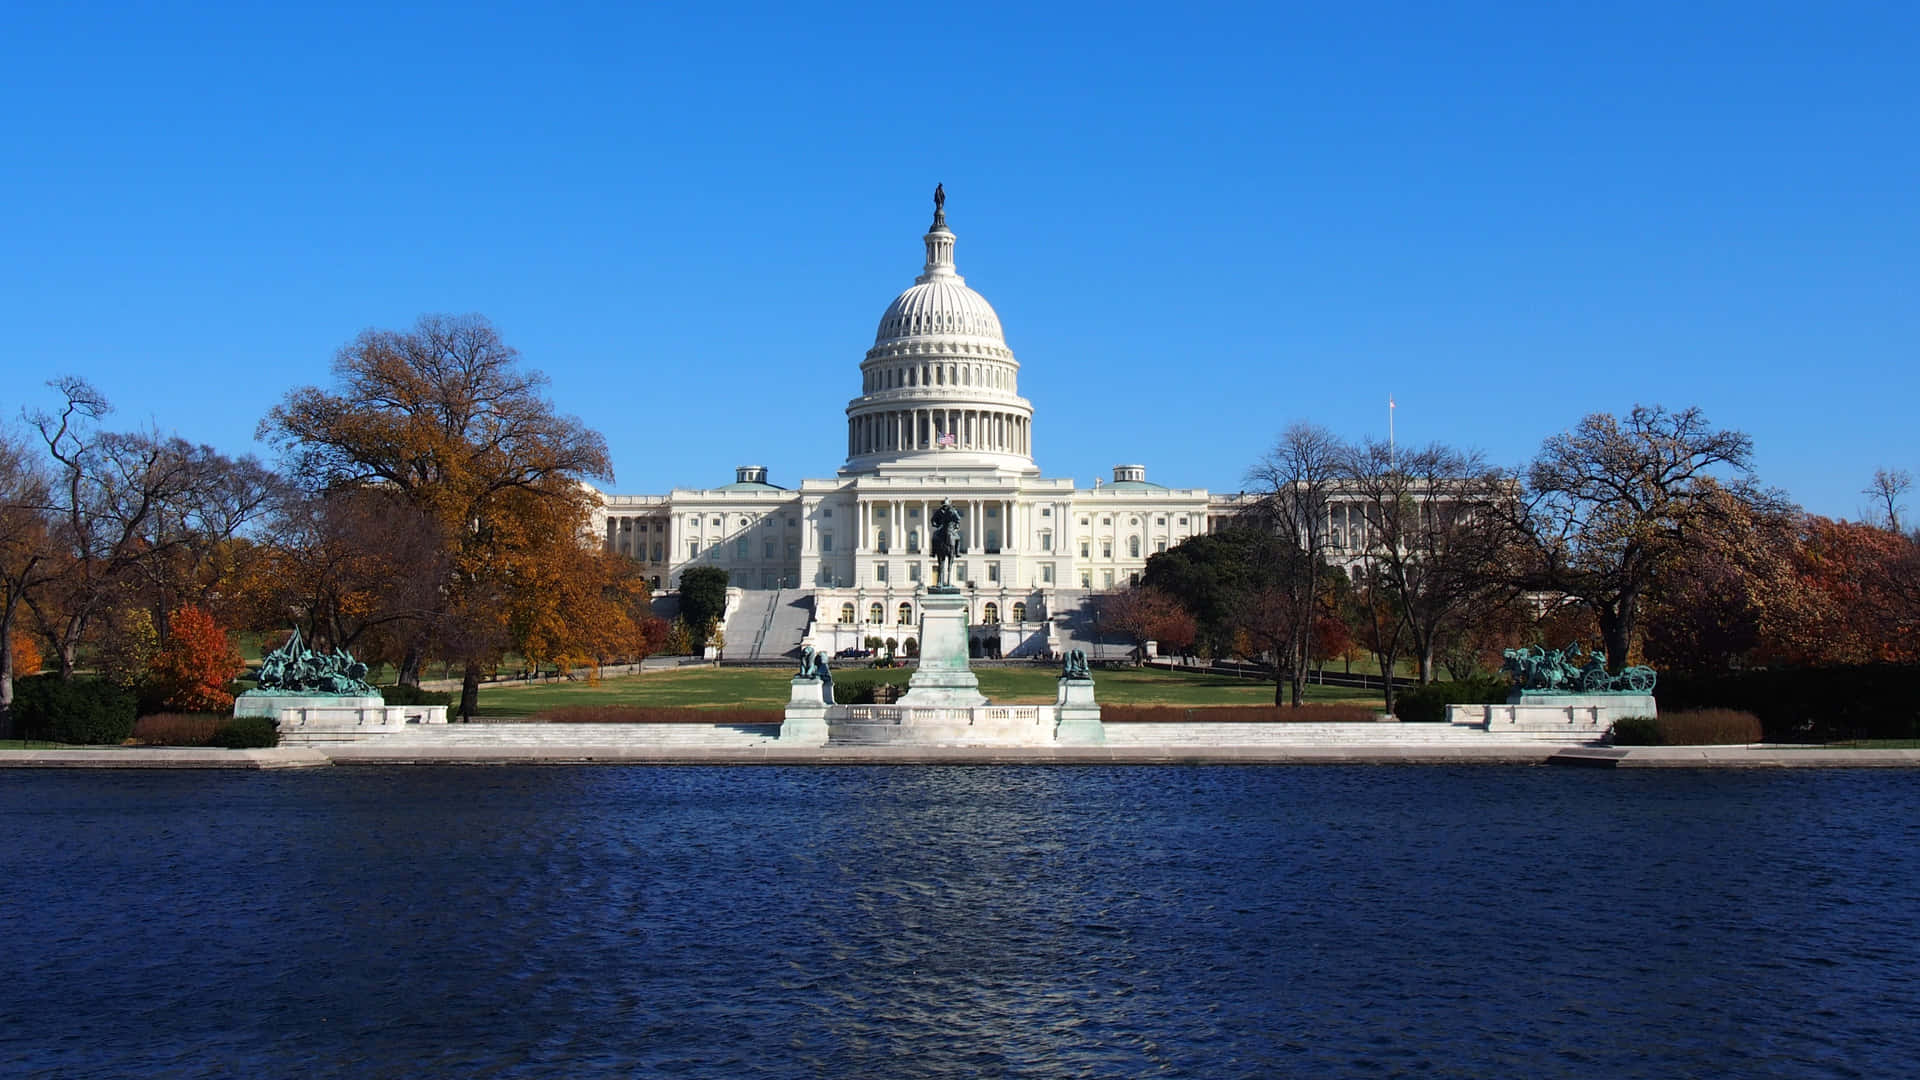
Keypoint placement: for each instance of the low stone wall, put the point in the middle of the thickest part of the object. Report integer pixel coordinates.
(1560, 716)
(306, 725)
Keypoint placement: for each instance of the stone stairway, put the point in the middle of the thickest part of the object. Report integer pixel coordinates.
(560, 735)
(748, 620)
(1312, 734)
(792, 614)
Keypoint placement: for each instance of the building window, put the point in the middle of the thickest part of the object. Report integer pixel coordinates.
(880, 572)
(1046, 541)
(1106, 549)
(846, 613)
(991, 616)
(913, 571)
(1106, 520)
(1046, 511)
(1086, 580)
(1133, 520)
(826, 511)
(1133, 547)
(875, 614)
(913, 540)
(993, 542)
(960, 571)
(656, 551)
(906, 614)
(882, 545)
(1083, 519)
(993, 511)
(1106, 579)
(1183, 522)
(826, 541)
(1134, 580)
(1046, 573)
(740, 548)
(993, 572)
(771, 548)
(1159, 545)
(1161, 520)
(1086, 547)
(693, 549)
(1019, 613)
(716, 522)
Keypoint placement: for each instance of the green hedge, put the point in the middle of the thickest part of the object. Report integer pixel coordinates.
(413, 695)
(1428, 704)
(84, 712)
(856, 687)
(246, 733)
(1863, 701)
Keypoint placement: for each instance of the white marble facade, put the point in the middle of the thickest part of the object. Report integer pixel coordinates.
(938, 416)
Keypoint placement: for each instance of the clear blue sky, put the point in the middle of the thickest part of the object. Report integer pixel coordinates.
(1198, 222)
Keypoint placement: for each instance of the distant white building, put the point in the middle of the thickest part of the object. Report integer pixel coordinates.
(939, 417)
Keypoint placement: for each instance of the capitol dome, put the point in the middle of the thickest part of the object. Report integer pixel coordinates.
(939, 388)
(940, 306)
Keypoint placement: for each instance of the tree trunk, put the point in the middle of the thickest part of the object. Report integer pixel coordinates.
(1386, 680)
(469, 690)
(1426, 663)
(1279, 682)
(1616, 629)
(410, 664)
(6, 677)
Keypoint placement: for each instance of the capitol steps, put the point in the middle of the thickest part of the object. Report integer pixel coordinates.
(714, 735)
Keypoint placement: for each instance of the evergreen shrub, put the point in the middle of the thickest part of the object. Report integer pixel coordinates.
(413, 695)
(1428, 704)
(84, 712)
(246, 733)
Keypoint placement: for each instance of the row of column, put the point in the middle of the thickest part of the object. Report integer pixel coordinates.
(920, 429)
(973, 518)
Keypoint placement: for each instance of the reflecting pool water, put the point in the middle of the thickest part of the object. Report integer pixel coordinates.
(959, 922)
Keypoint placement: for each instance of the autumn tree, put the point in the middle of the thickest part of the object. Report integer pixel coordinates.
(27, 561)
(443, 415)
(1144, 613)
(1609, 503)
(360, 568)
(195, 664)
(120, 505)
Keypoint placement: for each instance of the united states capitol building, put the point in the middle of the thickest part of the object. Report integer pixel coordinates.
(938, 416)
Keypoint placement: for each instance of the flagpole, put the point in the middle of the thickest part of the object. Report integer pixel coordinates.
(1390, 425)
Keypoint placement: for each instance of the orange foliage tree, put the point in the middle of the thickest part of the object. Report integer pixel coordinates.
(196, 663)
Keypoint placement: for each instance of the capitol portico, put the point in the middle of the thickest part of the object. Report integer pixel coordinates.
(939, 417)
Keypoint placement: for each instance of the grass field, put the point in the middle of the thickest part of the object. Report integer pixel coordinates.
(767, 688)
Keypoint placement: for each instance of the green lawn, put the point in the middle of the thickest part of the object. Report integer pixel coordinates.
(30, 744)
(767, 688)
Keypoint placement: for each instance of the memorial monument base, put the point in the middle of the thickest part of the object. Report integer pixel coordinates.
(943, 679)
(1553, 715)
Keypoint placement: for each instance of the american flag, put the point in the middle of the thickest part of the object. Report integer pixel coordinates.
(946, 439)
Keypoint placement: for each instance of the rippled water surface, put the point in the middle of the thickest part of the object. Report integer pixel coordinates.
(959, 922)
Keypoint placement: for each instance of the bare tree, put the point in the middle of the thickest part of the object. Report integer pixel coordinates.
(1887, 489)
(1607, 503)
(1434, 534)
(117, 503)
(1294, 482)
